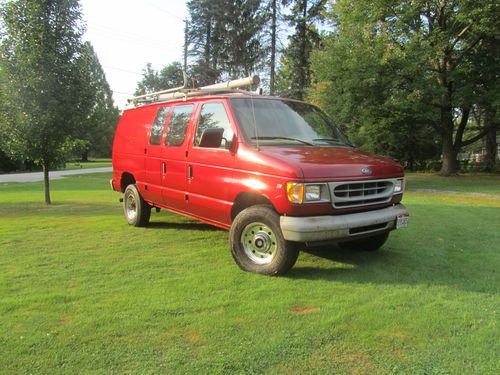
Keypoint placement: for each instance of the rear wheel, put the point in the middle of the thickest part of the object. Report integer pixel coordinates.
(371, 243)
(137, 211)
(257, 244)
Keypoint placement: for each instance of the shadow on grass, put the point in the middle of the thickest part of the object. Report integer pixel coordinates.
(455, 246)
(184, 226)
(392, 265)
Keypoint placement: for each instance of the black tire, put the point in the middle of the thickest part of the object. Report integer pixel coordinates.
(372, 243)
(257, 243)
(137, 212)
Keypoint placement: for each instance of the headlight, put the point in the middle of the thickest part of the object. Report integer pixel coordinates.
(312, 193)
(297, 192)
(398, 186)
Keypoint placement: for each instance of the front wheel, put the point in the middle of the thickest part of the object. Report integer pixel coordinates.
(257, 243)
(372, 243)
(137, 211)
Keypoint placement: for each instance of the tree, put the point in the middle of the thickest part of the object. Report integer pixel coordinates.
(362, 84)
(487, 93)
(168, 77)
(204, 42)
(429, 48)
(39, 53)
(224, 39)
(96, 127)
(270, 40)
(295, 75)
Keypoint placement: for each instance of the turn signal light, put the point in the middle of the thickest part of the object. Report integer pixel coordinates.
(295, 192)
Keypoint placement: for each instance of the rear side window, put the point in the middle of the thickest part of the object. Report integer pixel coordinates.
(178, 124)
(157, 130)
(213, 115)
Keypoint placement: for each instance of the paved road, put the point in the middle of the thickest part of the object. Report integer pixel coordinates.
(38, 176)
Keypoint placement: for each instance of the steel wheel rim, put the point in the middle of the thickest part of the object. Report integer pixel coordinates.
(259, 243)
(130, 207)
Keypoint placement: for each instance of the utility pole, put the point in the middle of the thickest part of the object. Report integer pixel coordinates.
(273, 48)
(185, 44)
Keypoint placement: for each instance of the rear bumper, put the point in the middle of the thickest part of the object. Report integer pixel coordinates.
(340, 227)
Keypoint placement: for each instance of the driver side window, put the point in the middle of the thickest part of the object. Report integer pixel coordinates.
(213, 115)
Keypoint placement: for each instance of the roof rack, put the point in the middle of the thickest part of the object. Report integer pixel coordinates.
(183, 92)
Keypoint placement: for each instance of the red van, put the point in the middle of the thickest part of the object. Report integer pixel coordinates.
(277, 173)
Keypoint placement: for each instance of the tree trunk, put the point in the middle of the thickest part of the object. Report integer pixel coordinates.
(46, 184)
(208, 42)
(273, 48)
(85, 155)
(450, 165)
(490, 143)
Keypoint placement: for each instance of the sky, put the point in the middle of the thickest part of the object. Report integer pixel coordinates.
(128, 34)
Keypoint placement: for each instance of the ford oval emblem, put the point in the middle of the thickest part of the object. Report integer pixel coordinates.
(366, 170)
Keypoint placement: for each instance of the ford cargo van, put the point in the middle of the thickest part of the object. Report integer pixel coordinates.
(276, 173)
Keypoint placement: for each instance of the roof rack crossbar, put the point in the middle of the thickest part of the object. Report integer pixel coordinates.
(184, 91)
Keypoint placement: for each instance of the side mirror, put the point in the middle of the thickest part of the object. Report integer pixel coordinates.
(231, 144)
(211, 138)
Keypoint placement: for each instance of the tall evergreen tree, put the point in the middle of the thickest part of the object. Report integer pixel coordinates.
(295, 72)
(205, 38)
(224, 38)
(42, 85)
(270, 40)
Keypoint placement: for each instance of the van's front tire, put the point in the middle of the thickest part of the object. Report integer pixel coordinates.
(136, 210)
(257, 243)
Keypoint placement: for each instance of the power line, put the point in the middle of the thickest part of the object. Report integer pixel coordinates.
(121, 70)
(138, 42)
(124, 34)
(123, 93)
(162, 10)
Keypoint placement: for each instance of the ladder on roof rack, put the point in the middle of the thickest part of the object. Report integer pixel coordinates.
(184, 91)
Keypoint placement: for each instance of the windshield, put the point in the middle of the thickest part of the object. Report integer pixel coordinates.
(278, 122)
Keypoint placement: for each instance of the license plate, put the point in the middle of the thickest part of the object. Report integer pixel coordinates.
(402, 221)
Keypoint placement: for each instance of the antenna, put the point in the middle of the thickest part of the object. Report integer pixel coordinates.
(255, 125)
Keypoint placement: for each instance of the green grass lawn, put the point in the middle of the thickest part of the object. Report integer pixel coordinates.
(467, 183)
(81, 292)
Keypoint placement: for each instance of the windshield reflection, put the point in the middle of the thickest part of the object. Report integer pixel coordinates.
(267, 121)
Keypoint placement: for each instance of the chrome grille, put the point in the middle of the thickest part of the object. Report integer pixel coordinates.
(365, 193)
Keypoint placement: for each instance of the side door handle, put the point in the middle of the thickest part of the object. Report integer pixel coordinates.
(190, 172)
(163, 168)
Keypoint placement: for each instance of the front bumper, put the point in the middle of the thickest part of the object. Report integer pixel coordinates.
(340, 227)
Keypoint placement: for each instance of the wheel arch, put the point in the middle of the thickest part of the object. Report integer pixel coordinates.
(248, 199)
(125, 180)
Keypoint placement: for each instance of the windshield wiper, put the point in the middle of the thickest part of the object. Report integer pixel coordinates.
(332, 141)
(285, 138)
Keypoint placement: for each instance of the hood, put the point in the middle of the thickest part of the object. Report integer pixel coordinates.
(335, 162)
